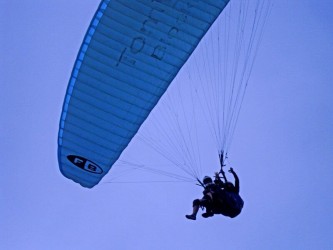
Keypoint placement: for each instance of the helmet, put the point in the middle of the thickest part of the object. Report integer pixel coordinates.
(207, 180)
(229, 186)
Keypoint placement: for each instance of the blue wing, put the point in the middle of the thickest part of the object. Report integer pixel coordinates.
(130, 54)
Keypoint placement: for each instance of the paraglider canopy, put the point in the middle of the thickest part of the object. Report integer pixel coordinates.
(129, 56)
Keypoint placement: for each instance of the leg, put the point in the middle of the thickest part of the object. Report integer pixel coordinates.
(196, 205)
(207, 202)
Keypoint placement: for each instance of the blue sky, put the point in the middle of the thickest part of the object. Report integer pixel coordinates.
(282, 149)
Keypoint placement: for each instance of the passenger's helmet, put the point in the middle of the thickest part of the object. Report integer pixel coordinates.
(229, 186)
(206, 180)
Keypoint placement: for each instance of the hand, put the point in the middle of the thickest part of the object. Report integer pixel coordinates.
(231, 170)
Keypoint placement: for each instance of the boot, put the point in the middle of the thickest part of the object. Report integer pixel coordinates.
(207, 214)
(191, 217)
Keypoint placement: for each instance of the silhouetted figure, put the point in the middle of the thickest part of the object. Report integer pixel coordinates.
(219, 198)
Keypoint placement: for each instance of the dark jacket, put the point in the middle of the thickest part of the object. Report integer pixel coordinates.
(228, 201)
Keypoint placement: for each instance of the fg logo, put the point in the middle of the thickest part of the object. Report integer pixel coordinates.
(85, 164)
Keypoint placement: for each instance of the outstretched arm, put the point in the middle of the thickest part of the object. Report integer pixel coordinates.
(231, 170)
